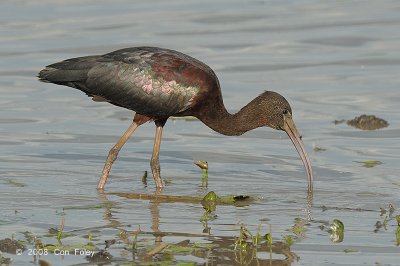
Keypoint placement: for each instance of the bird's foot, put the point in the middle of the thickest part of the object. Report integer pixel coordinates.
(157, 179)
(112, 156)
(155, 169)
(104, 177)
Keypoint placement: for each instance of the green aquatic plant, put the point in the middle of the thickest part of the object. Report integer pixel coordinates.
(246, 238)
(241, 246)
(397, 236)
(237, 200)
(336, 231)
(299, 227)
(135, 238)
(385, 222)
(370, 163)
(268, 237)
(90, 237)
(4, 260)
(123, 235)
(241, 241)
(180, 250)
(398, 219)
(289, 240)
(386, 219)
(347, 250)
(246, 245)
(15, 183)
(60, 232)
(257, 237)
(204, 172)
(144, 178)
(391, 210)
(208, 215)
(210, 201)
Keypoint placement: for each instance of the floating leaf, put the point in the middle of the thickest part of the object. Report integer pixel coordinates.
(370, 163)
(337, 231)
(209, 201)
(15, 183)
(210, 197)
(347, 250)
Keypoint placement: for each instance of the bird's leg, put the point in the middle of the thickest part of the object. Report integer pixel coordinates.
(113, 153)
(154, 163)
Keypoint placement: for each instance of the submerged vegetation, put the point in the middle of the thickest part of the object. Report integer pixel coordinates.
(131, 245)
(204, 172)
(237, 200)
(370, 163)
(368, 122)
(365, 122)
(386, 222)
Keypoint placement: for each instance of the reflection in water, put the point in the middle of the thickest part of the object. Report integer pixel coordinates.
(329, 59)
(309, 205)
(217, 250)
(155, 219)
(102, 196)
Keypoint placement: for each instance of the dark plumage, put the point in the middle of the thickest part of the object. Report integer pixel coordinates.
(158, 83)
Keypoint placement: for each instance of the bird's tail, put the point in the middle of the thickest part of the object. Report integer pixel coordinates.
(44, 74)
(68, 71)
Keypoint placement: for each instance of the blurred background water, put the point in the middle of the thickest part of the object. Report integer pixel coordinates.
(332, 60)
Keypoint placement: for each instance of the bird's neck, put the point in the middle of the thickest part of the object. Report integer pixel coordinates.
(223, 122)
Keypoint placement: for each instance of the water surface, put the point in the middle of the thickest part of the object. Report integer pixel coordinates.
(331, 60)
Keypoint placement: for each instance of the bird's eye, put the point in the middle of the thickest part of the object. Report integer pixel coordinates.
(285, 111)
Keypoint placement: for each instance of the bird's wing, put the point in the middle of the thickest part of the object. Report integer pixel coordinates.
(151, 83)
(138, 88)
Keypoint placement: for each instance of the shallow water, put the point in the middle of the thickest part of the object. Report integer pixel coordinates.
(331, 60)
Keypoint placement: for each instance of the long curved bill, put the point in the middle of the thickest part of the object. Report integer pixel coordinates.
(294, 136)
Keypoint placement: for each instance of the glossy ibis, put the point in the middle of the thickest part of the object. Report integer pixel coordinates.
(158, 83)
